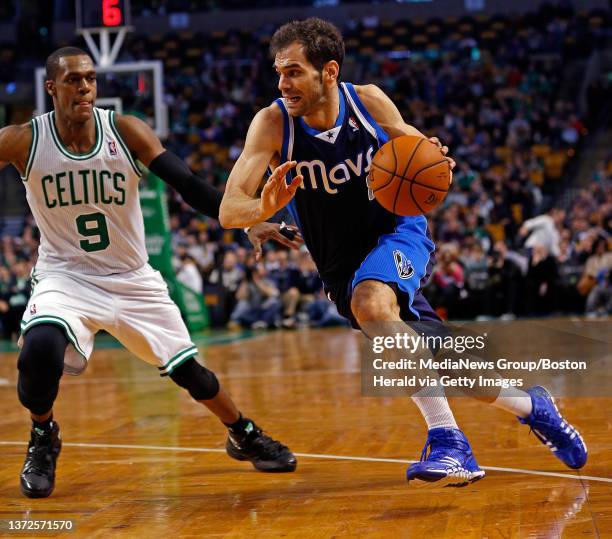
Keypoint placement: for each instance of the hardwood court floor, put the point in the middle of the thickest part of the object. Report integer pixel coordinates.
(140, 459)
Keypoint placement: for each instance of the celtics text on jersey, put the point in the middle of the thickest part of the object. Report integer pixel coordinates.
(86, 205)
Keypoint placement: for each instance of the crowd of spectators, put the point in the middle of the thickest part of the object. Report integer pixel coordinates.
(281, 290)
(17, 257)
(491, 93)
(559, 262)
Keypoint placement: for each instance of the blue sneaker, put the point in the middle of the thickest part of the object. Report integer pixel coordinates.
(551, 428)
(450, 462)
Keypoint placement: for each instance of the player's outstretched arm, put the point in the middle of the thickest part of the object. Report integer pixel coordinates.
(15, 143)
(196, 191)
(143, 142)
(387, 115)
(240, 206)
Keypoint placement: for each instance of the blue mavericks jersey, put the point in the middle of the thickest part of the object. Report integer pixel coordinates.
(340, 223)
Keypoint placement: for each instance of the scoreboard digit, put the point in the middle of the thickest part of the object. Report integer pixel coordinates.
(102, 13)
(112, 13)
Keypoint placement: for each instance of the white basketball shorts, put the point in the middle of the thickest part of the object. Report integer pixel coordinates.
(134, 307)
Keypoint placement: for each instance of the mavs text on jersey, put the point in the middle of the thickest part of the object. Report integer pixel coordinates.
(350, 236)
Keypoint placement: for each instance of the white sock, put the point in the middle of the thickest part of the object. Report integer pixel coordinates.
(514, 400)
(434, 407)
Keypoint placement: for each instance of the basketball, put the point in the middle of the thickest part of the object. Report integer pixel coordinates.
(409, 175)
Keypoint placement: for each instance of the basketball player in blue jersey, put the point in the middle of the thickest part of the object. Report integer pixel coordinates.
(316, 143)
(81, 180)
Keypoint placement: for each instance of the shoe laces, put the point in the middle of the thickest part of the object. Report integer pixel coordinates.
(39, 458)
(266, 444)
(546, 431)
(447, 442)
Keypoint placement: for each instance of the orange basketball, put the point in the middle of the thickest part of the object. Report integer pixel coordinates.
(409, 175)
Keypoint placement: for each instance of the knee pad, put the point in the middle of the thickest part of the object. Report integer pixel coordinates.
(41, 364)
(201, 383)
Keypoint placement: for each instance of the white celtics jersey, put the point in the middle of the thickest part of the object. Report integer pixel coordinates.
(85, 205)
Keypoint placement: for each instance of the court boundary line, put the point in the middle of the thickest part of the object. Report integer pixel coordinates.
(318, 456)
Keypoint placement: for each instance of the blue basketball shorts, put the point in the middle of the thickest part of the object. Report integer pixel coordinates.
(404, 260)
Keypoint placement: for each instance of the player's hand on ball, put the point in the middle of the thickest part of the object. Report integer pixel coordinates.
(444, 150)
(262, 232)
(277, 193)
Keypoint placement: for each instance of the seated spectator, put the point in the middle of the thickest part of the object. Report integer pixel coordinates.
(201, 250)
(475, 230)
(271, 260)
(222, 284)
(259, 305)
(595, 280)
(308, 282)
(477, 282)
(188, 273)
(448, 279)
(230, 275)
(599, 300)
(324, 313)
(464, 176)
(241, 255)
(285, 277)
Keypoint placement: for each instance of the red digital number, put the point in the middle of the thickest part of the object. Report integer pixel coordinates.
(111, 13)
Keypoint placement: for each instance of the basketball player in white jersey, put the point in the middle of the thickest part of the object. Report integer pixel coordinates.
(78, 165)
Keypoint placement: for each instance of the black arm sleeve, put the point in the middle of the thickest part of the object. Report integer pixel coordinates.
(196, 191)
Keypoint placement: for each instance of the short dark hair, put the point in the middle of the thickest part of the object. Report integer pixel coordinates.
(322, 41)
(52, 63)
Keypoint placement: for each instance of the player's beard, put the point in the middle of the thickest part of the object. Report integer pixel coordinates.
(309, 102)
